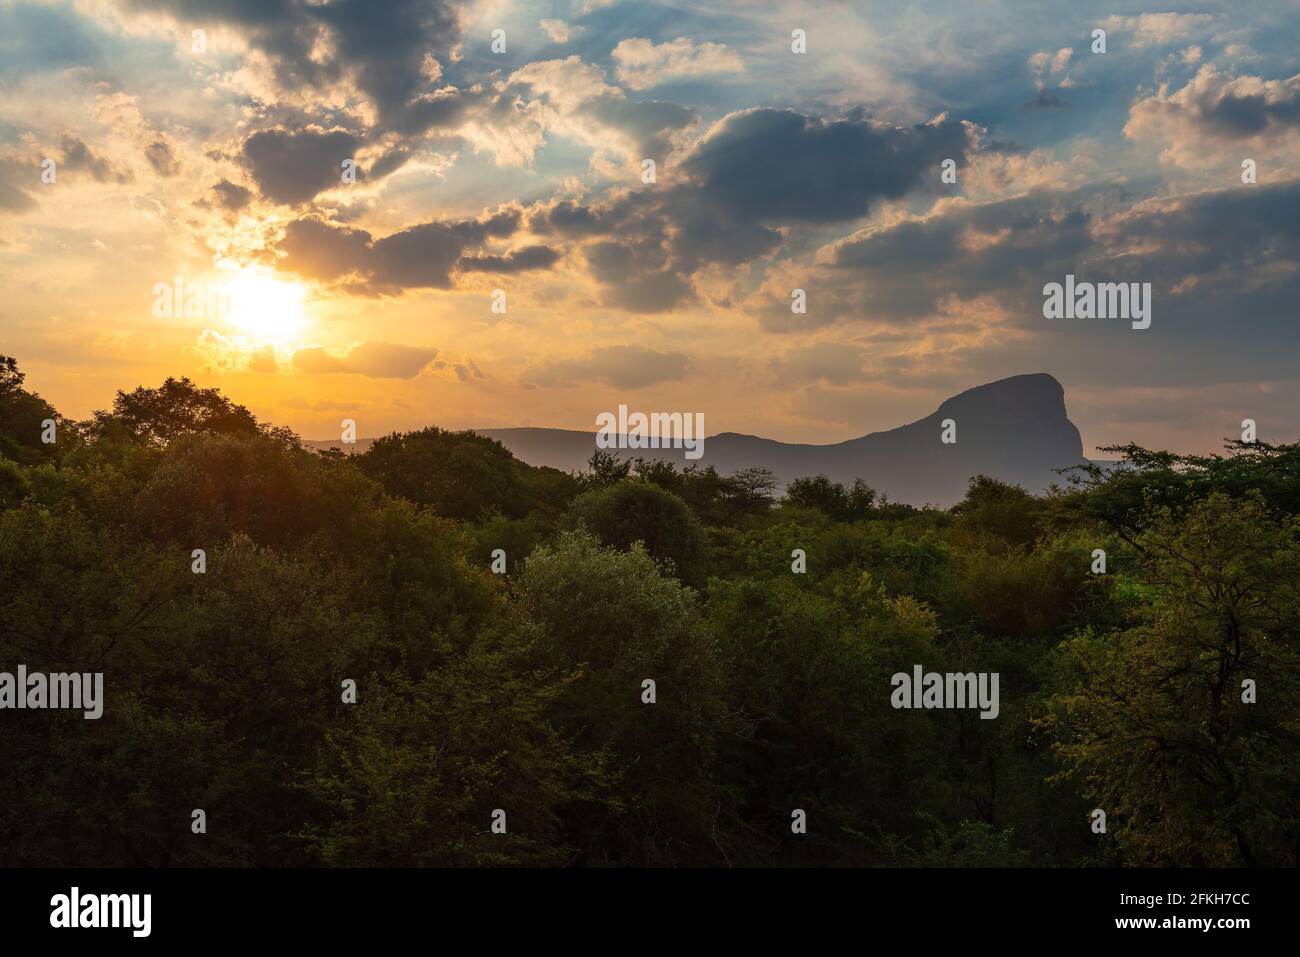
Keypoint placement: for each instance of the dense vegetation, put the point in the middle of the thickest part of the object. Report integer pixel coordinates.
(523, 691)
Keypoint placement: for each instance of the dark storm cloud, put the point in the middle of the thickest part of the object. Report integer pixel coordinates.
(422, 256)
(521, 260)
(291, 168)
(231, 196)
(1224, 259)
(637, 275)
(650, 124)
(318, 250)
(756, 174)
(905, 270)
(381, 46)
(1208, 256)
(779, 166)
(1233, 107)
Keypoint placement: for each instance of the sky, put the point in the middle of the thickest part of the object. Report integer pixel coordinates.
(442, 213)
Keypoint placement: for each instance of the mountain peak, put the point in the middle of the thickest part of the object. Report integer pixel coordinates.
(1015, 399)
(1015, 429)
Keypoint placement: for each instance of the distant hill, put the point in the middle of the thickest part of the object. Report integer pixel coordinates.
(1015, 430)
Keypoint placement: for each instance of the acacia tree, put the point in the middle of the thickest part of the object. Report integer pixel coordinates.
(1160, 729)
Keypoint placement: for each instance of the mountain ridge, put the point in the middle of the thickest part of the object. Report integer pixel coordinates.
(1015, 429)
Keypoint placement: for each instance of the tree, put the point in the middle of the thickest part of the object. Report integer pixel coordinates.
(831, 498)
(618, 619)
(605, 468)
(11, 379)
(22, 419)
(462, 475)
(997, 514)
(1156, 731)
(809, 678)
(756, 483)
(631, 511)
(175, 409)
(1119, 495)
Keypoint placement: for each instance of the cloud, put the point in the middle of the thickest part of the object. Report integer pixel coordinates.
(464, 371)
(421, 256)
(376, 360)
(1216, 109)
(966, 267)
(1045, 66)
(292, 168)
(557, 31)
(263, 360)
(783, 166)
(733, 196)
(642, 64)
(624, 367)
(637, 275)
(313, 47)
(230, 196)
(572, 98)
(1046, 101)
(833, 363)
(916, 267)
(161, 158)
(520, 260)
(1158, 29)
(15, 198)
(78, 157)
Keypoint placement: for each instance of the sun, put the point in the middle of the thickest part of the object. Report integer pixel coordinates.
(264, 307)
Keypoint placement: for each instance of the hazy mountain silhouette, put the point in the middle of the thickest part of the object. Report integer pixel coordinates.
(1015, 429)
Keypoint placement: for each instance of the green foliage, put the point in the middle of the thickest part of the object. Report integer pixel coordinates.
(632, 511)
(524, 692)
(176, 409)
(462, 475)
(14, 486)
(621, 621)
(831, 498)
(1156, 729)
(805, 674)
(1145, 480)
(996, 514)
(22, 415)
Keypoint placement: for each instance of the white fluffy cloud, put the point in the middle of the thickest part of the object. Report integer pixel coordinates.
(643, 64)
(1158, 29)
